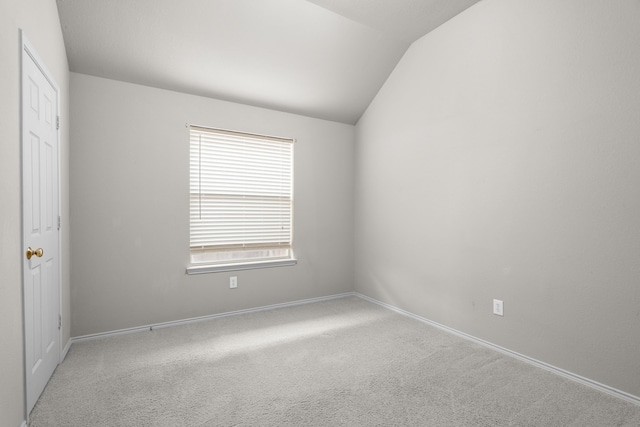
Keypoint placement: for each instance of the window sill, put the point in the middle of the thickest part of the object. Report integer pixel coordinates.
(211, 268)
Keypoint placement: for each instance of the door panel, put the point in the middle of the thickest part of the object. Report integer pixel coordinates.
(40, 225)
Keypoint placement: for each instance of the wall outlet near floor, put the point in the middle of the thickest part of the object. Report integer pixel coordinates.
(233, 282)
(498, 307)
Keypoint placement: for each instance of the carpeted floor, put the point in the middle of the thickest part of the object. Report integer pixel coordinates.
(343, 362)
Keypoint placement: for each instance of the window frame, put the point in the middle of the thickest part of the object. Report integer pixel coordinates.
(209, 251)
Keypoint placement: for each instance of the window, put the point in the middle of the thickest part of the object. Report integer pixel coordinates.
(241, 200)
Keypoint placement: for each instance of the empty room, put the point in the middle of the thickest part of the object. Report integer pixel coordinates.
(319, 212)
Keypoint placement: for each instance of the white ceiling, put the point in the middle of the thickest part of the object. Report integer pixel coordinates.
(320, 58)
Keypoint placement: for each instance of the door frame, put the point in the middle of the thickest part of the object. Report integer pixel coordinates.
(26, 48)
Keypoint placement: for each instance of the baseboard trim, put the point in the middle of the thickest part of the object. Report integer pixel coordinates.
(24, 424)
(559, 371)
(65, 350)
(203, 318)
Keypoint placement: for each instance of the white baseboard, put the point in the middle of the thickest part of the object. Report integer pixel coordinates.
(570, 375)
(65, 350)
(202, 318)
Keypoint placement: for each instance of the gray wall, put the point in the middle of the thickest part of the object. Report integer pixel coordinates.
(40, 21)
(129, 207)
(501, 159)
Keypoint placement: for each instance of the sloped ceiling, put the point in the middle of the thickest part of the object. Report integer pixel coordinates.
(321, 58)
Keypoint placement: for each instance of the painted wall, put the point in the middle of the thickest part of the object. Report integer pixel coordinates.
(39, 19)
(129, 208)
(501, 159)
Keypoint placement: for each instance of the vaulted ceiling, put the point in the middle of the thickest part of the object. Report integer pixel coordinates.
(321, 58)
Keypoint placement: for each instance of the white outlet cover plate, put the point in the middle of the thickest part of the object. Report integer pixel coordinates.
(498, 307)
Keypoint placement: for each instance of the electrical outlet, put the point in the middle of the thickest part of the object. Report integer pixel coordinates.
(233, 282)
(498, 307)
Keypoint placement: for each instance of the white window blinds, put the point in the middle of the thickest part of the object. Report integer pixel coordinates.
(241, 196)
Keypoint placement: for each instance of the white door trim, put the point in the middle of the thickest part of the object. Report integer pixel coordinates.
(26, 48)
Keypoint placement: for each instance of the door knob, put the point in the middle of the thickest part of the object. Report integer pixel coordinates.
(38, 252)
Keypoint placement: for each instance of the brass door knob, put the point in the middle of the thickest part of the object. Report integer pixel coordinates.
(38, 252)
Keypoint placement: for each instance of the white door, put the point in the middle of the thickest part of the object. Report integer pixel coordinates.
(41, 236)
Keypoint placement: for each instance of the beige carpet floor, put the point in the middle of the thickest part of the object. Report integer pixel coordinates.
(342, 362)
